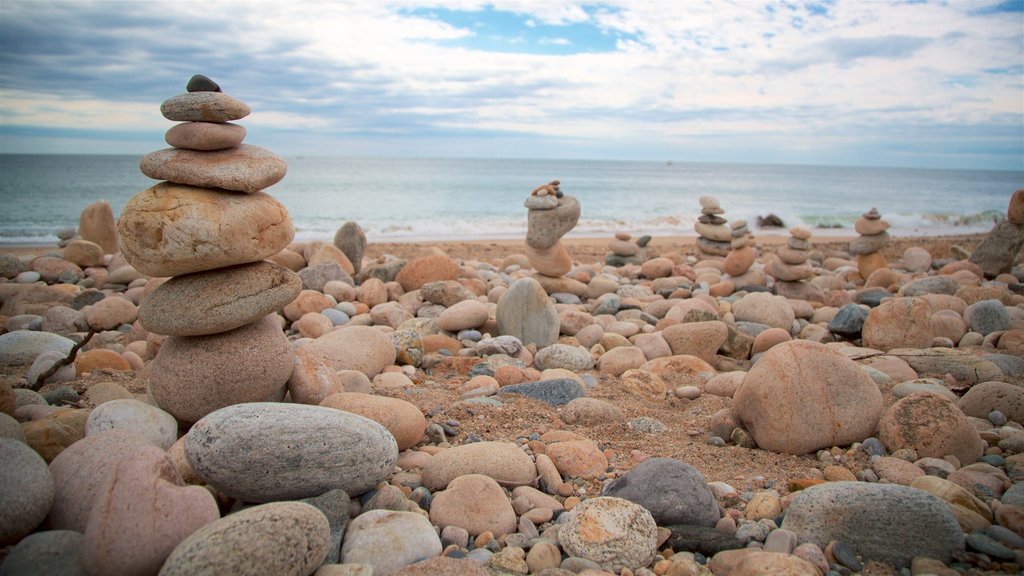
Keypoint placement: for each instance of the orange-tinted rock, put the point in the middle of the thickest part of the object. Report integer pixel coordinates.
(96, 224)
(898, 323)
(474, 502)
(868, 263)
(802, 396)
(427, 269)
(1015, 212)
(932, 425)
(99, 358)
(578, 458)
(403, 419)
(84, 253)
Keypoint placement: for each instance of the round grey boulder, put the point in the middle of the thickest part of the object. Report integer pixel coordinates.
(261, 452)
(674, 492)
(27, 490)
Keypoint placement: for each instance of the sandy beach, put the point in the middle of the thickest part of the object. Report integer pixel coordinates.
(590, 250)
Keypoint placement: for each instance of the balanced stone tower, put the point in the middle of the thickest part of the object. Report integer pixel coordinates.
(625, 250)
(551, 215)
(791, 269)
(869, 245)
(208, 226)
(743, 254)
(714, 234)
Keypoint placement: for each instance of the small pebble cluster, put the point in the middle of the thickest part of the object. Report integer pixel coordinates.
(300, 408)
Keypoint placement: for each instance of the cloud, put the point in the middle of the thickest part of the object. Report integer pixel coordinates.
(667, 75)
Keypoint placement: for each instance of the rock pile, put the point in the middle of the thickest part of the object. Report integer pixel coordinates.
(743, 254)
(209, 226)
(714, 235)
(625, 250)
(791, 269)
(551, 215)
(872, 240)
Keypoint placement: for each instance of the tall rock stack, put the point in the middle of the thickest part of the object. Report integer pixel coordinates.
(209, 226)
(791, 269)
(551, 215)
(872, 240)
(714, 234)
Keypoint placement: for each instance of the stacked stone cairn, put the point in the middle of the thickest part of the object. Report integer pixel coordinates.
(867, 248)
(625, 250)
(743, 254)
(551, 215)
(791, 268)
(208, 226)
(714, 234)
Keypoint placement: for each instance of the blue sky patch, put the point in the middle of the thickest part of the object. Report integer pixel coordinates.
(502, 31)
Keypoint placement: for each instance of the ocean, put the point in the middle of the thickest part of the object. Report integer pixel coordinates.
(420, 199)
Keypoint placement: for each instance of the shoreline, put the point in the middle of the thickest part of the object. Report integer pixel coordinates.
(587, 250)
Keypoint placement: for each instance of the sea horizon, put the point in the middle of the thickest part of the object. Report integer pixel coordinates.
(407, 199)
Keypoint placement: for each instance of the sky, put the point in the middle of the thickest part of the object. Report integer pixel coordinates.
(868, 83)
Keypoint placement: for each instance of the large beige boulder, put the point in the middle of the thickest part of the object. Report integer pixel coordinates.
(802, 396)
(172, 229)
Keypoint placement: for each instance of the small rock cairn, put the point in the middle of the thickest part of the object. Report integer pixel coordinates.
(624, 250)
(791, 269)
(551, 215)
(743, 254)
(714, 234)
(872, 240)
(209, 226)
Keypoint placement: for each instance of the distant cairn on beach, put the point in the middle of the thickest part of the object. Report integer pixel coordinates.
(208, 227)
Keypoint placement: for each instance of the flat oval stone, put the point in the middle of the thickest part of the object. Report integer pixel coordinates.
(275, 538)
(205, 135)
(21, 347)
(192, 376)
(244, 168)
(885, 522)
(260, 452)
(503, 461)
(170, 229)
(204, 107)
(218, 300)
(403, 419)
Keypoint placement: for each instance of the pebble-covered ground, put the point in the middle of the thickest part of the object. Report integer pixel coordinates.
(640, 461)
